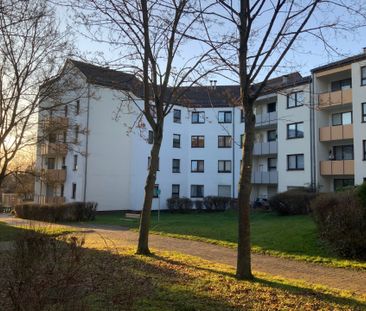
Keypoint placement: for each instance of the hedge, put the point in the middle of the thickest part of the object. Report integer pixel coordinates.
(179, 205)
(216, 203)
(75, 211)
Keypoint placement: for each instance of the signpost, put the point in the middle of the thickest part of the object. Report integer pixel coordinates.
(158, 191)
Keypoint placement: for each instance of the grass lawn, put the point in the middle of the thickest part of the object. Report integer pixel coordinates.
(291, 236)
(8, 233)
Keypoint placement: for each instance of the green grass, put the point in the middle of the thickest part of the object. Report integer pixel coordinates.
(8, 233)
(292, 236)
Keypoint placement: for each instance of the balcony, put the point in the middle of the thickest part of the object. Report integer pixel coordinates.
(54, 176)
(338, 132)
(265, 177)
(266, 119)
(41, 199)
(337, 167)
(265, 148)
(332, 99)
(54, 149)
(55, 123)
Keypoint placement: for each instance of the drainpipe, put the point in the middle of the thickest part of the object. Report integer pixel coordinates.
(312, 134)
(233, 161)
(86, 145)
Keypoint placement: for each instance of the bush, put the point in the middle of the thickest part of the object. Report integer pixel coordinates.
(292, 202)
(179, 205)
(214, 203)
(361, 192)
(341, 221)
(198, 205)
(75, 211)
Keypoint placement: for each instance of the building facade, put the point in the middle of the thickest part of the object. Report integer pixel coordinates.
(310, 131)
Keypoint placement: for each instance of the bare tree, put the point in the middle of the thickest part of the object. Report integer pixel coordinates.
(31, 48)
(262, 34)
(152, 36)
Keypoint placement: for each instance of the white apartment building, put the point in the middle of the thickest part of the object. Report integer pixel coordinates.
(98, 149)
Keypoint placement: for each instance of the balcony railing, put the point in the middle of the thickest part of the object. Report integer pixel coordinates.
(331, 99)
(266, 119)
(265, 177)
(55, 123)
(42, 199)
(53, 176)
(338, 132)
(54, 149)
(337, 167)
(265, 148)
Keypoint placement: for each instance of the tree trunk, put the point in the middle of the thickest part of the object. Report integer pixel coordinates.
(143, 243)
(243, 268)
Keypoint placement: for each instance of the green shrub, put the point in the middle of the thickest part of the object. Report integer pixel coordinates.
(75, 211)
(292, 202)
(179, 205)
(198, 205)
(361, 192)
(341, 221)
(215, 203)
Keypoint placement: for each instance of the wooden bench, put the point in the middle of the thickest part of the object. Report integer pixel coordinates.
(132, 215)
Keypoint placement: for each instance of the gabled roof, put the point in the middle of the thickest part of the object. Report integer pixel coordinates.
(342, 62)
(196, 96)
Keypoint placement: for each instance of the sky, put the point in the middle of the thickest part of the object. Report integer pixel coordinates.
(308, 54)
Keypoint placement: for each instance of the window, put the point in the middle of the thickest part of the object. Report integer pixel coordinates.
(363, 112)
(176, 141)
(198, 117)
(224, 166)
(65, 136)
(177, 116)
(73, 193)
(295, 162)
(197, 166)
(62, 190)
(295, 99)
(77, 107)
(66, 110)
(344, 152)
(242, 137)
(271, 107)
(342, 118)
(52, 137)
(150, 138)
(51, 163)
(272, 135)
(175, 191)
(364, 150)
(198, 141)
(224, 190)
(149, 163)
(225, 116)
(224, 141)
(363, 75)
(176, 166)
(156, 191)
(242, 116)
(341, 85)
(295, 130)
(75, 166)
(197, 191)
(76, 134)
(345, 182)
(272, 164)
(63, 163)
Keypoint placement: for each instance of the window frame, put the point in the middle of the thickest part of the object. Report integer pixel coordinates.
(363, 112)
(77, 107)
(75, 163)
(242, 137)
(225, 170)
(268, 136)
(202, 187)
(364, 149)
(175, 118)
(155, 193)
(269, 167)
(275, 107)
(225, 114)
(175, 140)
(341, 114)
(343, 182)
(342, 152)
(296, 130)
(296, 99)
(175, 194)
(198, 166)
(175, 169)
(225, 145)
(241, 116)
(150, 137)
(197, 139)
(363, 78)
(218, 192)
(73, 191)
(198, 113)
(297, 168)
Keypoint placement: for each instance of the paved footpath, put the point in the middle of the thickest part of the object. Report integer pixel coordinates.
(339, 278)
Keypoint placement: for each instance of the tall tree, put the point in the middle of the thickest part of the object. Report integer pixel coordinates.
(31, 48)
(263, 33)
(152, 37)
